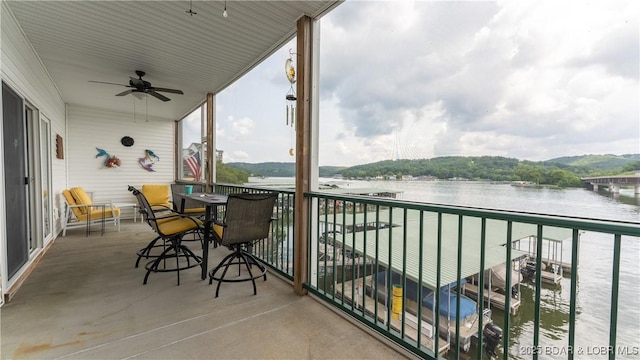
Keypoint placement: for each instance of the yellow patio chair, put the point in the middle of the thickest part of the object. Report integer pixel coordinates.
(82, 211)
(158, 196)
(170, 228)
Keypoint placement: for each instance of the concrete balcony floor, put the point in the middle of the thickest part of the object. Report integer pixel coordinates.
(85, 300)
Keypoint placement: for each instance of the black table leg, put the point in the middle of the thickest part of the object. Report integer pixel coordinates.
(206, 240)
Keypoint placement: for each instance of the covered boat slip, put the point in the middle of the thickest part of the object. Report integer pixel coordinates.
(404, 241)
(400, 234)
(364, 300)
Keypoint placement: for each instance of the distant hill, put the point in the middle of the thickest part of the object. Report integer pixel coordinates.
(562, 171)
(282, 169)
(598, 162)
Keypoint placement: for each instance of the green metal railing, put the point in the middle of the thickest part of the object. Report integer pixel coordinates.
(363, 249)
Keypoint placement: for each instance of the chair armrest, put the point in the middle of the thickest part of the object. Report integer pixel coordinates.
(157, 206)
(78, 206)
(101, 203)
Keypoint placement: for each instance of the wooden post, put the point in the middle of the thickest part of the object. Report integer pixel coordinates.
(177, 152)
(303, 152)
(210, 174)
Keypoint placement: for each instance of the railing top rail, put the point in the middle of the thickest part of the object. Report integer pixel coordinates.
(273, 189)
(587, 224)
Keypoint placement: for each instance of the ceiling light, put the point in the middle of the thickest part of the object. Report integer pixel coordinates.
(225, 13)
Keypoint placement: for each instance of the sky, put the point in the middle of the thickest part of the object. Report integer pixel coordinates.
(531, 80)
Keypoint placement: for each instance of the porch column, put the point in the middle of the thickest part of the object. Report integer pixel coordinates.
(210, 175)
(306, 150)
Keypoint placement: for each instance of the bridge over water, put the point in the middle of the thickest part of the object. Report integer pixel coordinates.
(613, 183)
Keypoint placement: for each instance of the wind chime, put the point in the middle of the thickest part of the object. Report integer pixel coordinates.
(291, 96)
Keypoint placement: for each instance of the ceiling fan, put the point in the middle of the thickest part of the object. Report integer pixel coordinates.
(141, 86)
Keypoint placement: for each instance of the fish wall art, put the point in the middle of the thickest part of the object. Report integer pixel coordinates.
(148, 160)
(109, 161)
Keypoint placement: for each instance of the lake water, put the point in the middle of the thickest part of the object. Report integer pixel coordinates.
(594, 273)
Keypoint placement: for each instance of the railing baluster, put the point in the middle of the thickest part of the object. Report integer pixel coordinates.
(344, 245)
(536, 316)
(458, 277)
(364, 266)
(613, 320)
(436, 311)
(483, 245)
(420, 294)
(353, 256)
(375, 274)
(388, 269)
(508, 292)
(317, 244)
(404, 274)
(324, 234)
(574, 292)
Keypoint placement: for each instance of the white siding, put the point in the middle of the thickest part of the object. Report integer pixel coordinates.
(22, 69)
(90, 128)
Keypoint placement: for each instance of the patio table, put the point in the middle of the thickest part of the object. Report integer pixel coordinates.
(211, 202)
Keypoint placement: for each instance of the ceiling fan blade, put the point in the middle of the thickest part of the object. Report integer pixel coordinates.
(104, 82)
(158, 96)
(173, 91)
(126, 92)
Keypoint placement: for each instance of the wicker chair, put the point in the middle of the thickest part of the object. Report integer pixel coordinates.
(171, 228)
(247, 219)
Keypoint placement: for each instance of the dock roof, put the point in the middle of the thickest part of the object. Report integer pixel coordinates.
(360, 191)
(388, 245)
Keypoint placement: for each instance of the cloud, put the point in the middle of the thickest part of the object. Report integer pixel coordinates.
(420, 79)
(242, 126)
(503, 74)
(238, 156)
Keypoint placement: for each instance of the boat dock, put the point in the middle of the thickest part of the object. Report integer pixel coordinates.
(554, 266)
(549, 274)
(494, 298)
(380, 308)
(566, 267)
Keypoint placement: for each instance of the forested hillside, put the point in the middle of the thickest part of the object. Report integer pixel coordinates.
(598, 162)
(282, 169)
(565, 171)
(230, 175)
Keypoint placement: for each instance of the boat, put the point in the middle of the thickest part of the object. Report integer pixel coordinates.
(524, 184)
(499, 277)
(447, 309)
(496, 289)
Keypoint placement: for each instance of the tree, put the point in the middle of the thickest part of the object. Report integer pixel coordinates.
(634, 166)
(230, 175)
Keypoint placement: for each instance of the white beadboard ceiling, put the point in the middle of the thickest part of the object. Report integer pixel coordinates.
(79, 41)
